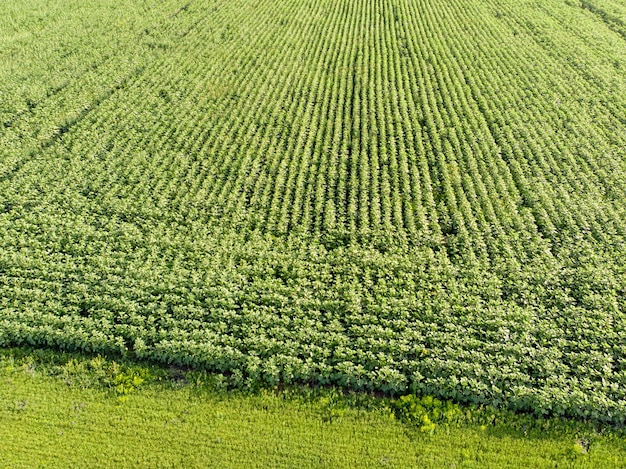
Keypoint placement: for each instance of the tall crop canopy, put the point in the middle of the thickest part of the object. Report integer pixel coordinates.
(390, 195)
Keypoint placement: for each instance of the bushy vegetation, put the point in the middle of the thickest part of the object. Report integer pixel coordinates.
(386, 195)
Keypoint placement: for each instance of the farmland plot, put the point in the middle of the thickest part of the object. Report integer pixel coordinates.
(385, 195)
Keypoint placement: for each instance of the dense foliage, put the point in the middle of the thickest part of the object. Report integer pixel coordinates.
(388, 195)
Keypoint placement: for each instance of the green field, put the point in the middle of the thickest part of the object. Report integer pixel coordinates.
(394, 196)
(73, 411)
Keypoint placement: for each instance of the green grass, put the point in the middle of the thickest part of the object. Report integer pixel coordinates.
(69, 411)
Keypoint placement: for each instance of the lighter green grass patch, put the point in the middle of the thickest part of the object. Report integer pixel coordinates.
(63, 411)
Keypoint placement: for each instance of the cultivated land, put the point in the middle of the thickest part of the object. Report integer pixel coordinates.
(389, 195)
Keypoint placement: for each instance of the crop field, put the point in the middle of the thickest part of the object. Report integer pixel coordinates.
(383, 195)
